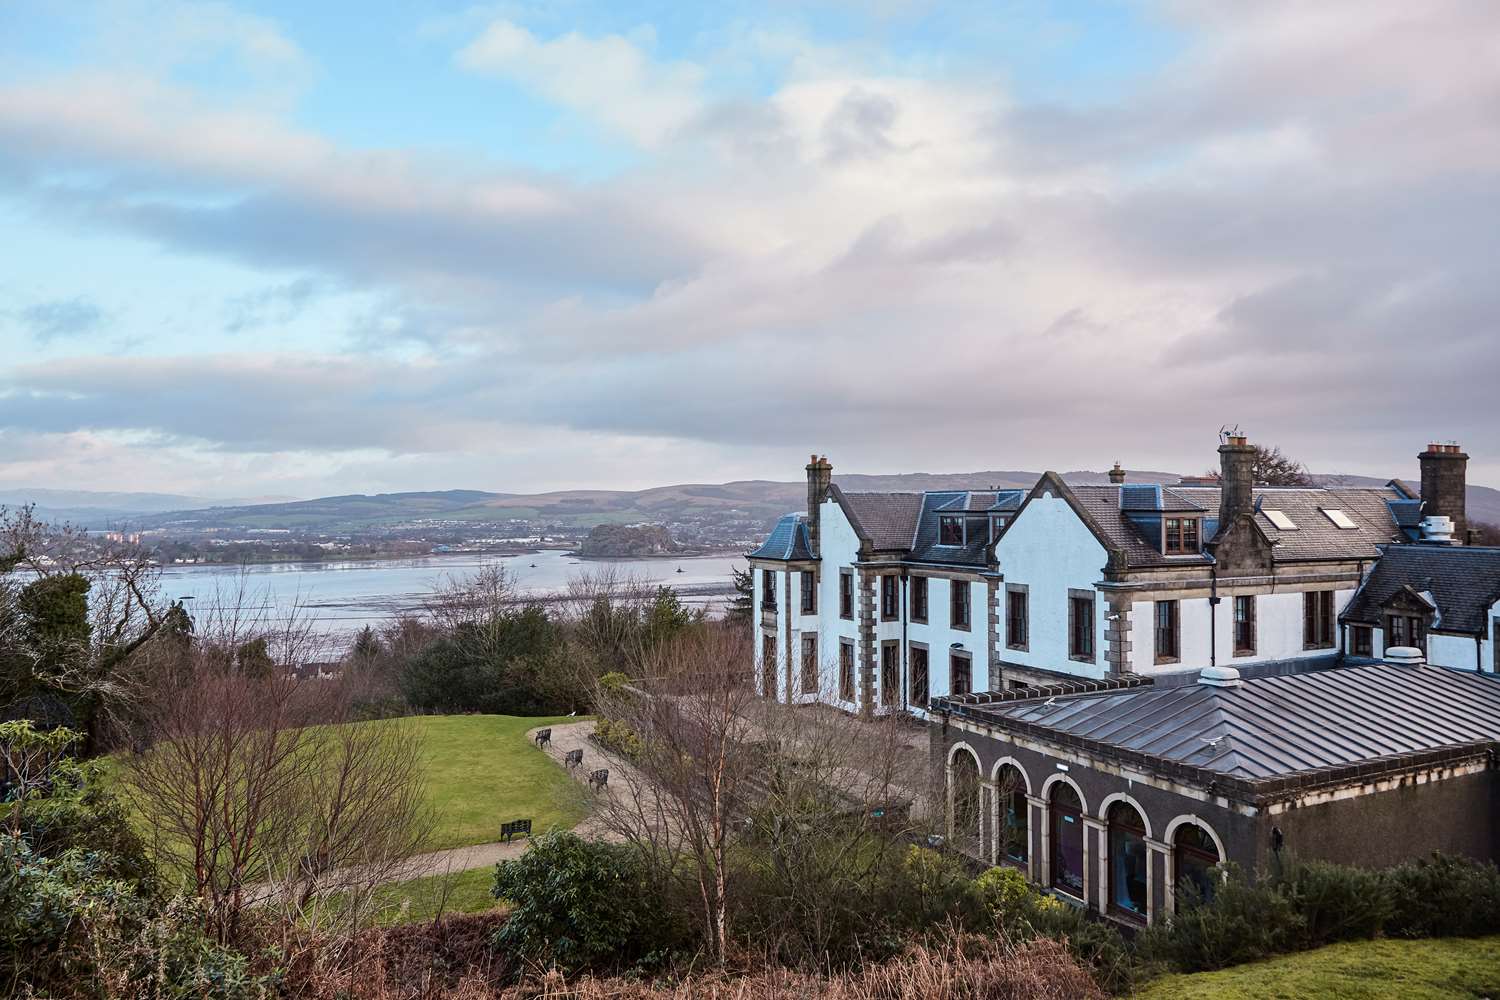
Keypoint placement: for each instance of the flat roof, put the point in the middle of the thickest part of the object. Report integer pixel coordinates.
(1269, 732)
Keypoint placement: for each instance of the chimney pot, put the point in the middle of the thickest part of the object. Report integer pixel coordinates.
(1117, 474)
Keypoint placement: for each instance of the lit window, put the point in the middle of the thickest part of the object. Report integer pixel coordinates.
(1280, 520)
(1339, 518)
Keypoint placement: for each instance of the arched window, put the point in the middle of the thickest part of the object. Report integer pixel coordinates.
(1196, 855)
(1015, 834)
(1128, 860)
(1067, 839)
(964, 775)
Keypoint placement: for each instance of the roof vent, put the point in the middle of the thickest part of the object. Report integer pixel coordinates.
(1219, 677)
(1437, 529)
(1405, 656)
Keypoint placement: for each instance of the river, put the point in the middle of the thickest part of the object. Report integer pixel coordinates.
(342, 597)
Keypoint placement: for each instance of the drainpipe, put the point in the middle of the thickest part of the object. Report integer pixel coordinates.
(901, 656)
(1213, 616)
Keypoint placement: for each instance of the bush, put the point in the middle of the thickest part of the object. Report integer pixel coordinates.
(935, 889)
(68, 929)
(1336, 902)
(580, 904)
(1242, 923)
(1094, 944)
(618, 738)
(1444, 897)
(78, 814)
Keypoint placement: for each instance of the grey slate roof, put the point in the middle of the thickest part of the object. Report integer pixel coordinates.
(1463, 580)
(924, 542)
(1316, 537)
(787, 541)
(1272, 727)
(888, 520)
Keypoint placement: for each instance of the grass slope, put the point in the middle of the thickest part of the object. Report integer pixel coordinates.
(1442, 969)
(419, 899)
(481, 770)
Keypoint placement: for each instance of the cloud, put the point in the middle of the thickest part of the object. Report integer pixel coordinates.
(275, 305)
(61, 318)
(610, 78)
(1288, 227)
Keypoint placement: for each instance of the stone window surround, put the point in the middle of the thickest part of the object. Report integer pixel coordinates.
(847, 692)
(920, 585)
(846, 594)
(1092, 656)
(911, 660)
(808, 585)
(967, 588)
(1234, 625)
(1156, 645)
(1025, 591)
(953, 656)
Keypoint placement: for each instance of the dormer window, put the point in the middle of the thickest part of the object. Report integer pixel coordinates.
(997, 525)
(1181, 536)
(950, 530)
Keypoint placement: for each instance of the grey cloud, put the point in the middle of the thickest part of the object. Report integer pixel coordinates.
(859, 128)
(61, 318)
(270, 306)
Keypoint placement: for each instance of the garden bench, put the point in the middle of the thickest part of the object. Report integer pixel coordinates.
(599, 778)
(574, 757)
(514, 828)
(544, 737)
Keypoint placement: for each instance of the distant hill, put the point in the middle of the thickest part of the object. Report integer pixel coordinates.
(754, 501)
(96, 509)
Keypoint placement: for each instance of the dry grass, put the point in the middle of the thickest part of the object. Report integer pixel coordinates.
(451, 960)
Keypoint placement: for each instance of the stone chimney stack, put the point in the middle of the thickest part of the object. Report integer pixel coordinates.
(1236, 477)
(819, 478)
(1117, 474)
(1444, 485)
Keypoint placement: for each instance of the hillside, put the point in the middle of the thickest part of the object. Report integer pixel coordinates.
(755, 501)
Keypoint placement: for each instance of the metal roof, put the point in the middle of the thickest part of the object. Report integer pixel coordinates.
(1273, 727)
(787, 541)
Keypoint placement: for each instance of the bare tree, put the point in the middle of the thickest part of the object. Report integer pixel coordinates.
(256, 789)
(817, 795)
(1274, 468)
(605, 608)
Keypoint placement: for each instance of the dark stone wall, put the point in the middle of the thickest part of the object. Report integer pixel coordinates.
(1455, 816)
(1444, 486)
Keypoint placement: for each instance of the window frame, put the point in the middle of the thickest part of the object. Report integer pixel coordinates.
(809, 588)
(997, 525)
(1114, 826)
(963, 622)
(1018, 627)
(890, 601)
(945, 524)
(769, 662)
(768, 590)
(1171, 630)
(848, 689)
(1082, 604)
(1014, 802)
(1248, 625)
(922, 695)
(919, 600)
(1056, 812)
(1413, 628)
(1187, 528)
(809, 672)
(846, 594)
(890, 673)
(1361, 640)
(1318, 619)
(956, 657)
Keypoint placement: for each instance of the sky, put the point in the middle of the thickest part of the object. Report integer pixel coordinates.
(304, 249)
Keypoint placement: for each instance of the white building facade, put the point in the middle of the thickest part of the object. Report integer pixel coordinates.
(879, 602)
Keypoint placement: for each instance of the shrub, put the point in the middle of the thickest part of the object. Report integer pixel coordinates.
(618, 738)
(1444, 897)
(1242, 923)
(935, 889)
(580, 904)
(78, 814)
(1336, 902)
(68, 929)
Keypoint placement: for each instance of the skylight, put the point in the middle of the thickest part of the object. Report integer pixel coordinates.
(1280, 519)
(1339, 518)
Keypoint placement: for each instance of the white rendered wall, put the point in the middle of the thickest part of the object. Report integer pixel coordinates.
(1456, 651)
(839, 547)
(1278, 631)
(1049, 550)
(940, 636)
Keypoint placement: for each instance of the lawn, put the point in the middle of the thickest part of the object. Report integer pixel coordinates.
(1441, 969)
(481, 770)
(417, 900)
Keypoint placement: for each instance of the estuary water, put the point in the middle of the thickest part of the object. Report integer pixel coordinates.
(342, 597)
